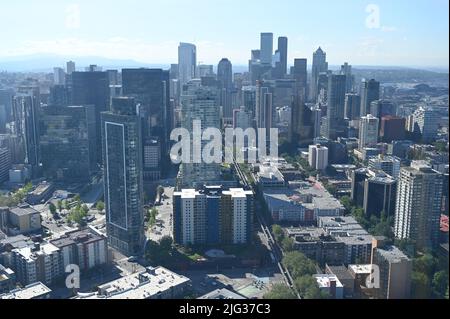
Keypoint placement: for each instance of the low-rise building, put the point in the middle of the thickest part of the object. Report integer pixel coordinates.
(331, 285)
(153, 283)
(7, 279)
(358, 242)
(40, 194)
(344, 276)
(302, 202)
(23, 219)
(317, 245)
(36, 290)
(269, 176)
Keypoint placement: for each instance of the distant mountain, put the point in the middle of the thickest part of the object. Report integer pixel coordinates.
(46, 63)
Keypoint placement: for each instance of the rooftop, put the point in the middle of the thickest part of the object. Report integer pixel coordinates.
(29, 253)
(340, 271)
(143, 285)
(325, 280)
(32, 291)
(221, 294)
(85, 236)
(42, 187)
(392, 254)
(23, 210)
(360, 269)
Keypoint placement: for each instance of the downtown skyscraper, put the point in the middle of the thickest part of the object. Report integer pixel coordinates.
(225, 82)
(122, 176)
(320, 65)
(187, 63)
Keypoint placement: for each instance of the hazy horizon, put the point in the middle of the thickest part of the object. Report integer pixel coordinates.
(382, 33)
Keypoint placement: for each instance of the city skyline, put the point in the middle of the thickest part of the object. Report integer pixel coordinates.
(380, 33)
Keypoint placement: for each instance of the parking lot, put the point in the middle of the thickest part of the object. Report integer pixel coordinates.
(163, 226)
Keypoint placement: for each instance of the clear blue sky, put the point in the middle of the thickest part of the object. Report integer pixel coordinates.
(408, 33)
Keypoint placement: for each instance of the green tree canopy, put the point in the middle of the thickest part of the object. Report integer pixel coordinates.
(278, 232)
(298, 264)
(52, 208)
(280, 291)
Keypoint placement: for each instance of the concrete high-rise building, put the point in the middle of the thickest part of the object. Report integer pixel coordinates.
(123, 182)
(318, 157)
(225, 80)
(37, 263)
(395, 270)
(59, 76)
(70, 67)
(266, 48)
(370, 91)
(336, 106)
(419, 196)
(212, 216)
(426, 123)
(199, 103)
(319, 65)
(352, 106)
(187, 62)
(368, 131)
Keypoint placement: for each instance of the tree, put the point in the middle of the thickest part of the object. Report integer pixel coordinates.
(298, 264)
(165, 243)
(347, 202)
(152, 251)
(425, 264)
(77, 198)
(152, 216)
(59, 205)
(440, 283)
(280, 291)
(52, 209)
(287, 244)
(307, 287)
(420, 285)
(100, 206)
(278, 232)
(85, 209)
